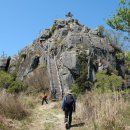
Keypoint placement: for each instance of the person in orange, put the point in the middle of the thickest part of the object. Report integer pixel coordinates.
(44, 98)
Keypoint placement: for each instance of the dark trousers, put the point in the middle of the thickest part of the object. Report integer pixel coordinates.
(44, 99)
(68, 113)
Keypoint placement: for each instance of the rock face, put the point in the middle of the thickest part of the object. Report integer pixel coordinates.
(59, 49)
(4, 63)
(68, 67)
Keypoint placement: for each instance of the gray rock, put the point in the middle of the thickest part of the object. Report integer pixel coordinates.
(69, 59)
(43, 60)
(34, 62)
(75, 28)
(13, 64)
(72, 40)
(3, 63)
(60, 23)
(69, 20)
(93, 32)
(60, 33)
(68, 67)
(86, 40)
(95, 41)
(45, 35)
(63, 32)
(84, 30)
(66, 80)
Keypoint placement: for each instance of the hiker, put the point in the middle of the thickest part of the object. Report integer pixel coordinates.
(44, 98)
(68, 106)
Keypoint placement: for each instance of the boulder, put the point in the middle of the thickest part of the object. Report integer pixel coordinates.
(13, 64)
(69, 67)
(3, 62)
(45, 35)
(84, 30)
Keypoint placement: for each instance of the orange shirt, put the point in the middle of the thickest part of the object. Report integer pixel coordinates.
(44, 96)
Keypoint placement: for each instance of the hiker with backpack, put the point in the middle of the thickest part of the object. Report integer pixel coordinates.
(68, 106)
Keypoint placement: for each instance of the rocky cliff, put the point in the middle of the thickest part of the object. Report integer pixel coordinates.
(62, 48)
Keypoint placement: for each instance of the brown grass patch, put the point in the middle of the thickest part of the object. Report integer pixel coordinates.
(11, 106)
(102, 111)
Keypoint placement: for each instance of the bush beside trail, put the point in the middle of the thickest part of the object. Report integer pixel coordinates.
(11, 107)
(104, 111)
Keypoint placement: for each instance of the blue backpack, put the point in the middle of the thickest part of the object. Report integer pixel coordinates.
(68, 101)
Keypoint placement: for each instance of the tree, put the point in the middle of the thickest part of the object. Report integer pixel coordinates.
(108, 82)
(117, 37)
(121, 20)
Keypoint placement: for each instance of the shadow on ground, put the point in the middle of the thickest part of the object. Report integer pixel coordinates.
(78, 125)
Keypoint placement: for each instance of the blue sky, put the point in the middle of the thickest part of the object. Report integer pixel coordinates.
(22, 20)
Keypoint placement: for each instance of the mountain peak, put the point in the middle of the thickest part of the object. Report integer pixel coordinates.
(64, 48)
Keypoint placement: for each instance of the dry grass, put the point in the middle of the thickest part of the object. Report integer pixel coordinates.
(11, 107)
(103, 111)
(29, 101)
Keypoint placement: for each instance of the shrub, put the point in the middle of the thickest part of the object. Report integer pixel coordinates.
(108, 82)
(120, 56)
(128, 55)
(5, 79)
(11, 107)
(8, 82)
(75, 89)
(127, 61)
(16, 86)
(81, 80)
(14, 75)
(111, 70)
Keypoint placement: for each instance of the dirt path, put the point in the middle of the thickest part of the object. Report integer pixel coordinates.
(47, 117)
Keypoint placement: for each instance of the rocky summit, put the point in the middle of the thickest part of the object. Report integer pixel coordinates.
(61, 49)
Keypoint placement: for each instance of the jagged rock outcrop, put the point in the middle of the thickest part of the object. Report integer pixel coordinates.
(59, 48)
(4, 63)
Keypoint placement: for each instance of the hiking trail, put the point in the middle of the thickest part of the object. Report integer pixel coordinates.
(47, 117)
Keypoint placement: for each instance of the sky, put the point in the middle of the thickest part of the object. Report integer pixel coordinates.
(22, 20)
